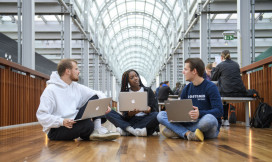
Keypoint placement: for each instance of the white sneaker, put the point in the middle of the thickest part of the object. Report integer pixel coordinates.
(169, 133)
(141, 132)
(226, 123)
(122, 132)
(109, 136)
(102, 130)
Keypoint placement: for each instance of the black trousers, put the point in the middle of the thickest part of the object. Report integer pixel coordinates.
(226, 111)
(226, 106)
(149, 121)
(82, 129)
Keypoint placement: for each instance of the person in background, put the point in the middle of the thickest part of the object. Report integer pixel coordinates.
(61, 102)
(208, 70)
(207, 106)
(164, 92)
(158, 89)
(137, 123)
(230, 83)
(177, 88)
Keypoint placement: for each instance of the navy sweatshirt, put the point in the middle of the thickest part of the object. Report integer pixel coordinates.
(206, 97)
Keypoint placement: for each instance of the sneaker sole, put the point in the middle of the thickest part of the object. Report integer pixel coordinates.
(105, 138)
(199, 135)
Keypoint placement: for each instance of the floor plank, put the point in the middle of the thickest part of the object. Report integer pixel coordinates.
(235, 143)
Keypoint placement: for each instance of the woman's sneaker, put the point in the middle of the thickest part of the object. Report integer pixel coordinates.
(169, 133)
(226, 123)
(141, 132)
(122, 132)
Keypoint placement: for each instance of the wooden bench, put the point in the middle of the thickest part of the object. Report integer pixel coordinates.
(240, 99)
(231, 100)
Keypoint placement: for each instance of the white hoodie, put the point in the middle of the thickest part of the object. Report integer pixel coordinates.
(60, 100)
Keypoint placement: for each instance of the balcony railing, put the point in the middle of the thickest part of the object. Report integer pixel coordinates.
(20, 91)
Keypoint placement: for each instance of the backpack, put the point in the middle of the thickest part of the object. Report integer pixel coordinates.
(252, 93)
(232, 117)
(262, 117)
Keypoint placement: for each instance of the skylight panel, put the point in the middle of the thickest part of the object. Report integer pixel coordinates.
(164, 20)
(100, 3)
(121, 8)
(154, 27)
(131, 6)
(157, 13)
(106, 20)
(111, 33)
(149, 8)
(94, 11)
(113, 13)
(177, 10)
(170, 4)
(119, 38)
(140, 6)
(116, 28)
(125, 35)
(139, 20)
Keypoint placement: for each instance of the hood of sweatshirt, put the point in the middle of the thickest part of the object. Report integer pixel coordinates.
(164, 85)
(55, 79)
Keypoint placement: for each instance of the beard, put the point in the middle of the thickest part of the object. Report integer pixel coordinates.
(74, 78)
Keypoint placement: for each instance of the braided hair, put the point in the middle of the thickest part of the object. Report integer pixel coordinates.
(125, 82)
(226, 54)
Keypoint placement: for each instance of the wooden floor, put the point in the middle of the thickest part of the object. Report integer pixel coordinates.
(235, 143)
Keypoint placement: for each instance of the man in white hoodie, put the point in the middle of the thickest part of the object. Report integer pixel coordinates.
(60, 103)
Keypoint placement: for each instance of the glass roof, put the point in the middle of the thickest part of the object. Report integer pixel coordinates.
(133, 34)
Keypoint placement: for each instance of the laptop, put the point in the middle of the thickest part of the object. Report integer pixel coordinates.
(177, 110)
(93, 109)
(128, 101)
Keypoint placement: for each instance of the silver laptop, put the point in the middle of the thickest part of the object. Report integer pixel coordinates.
(128, 101)
(178, 110)
(94, 108)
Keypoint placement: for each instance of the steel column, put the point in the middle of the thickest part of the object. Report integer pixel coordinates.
(67, 36)
(96, 72)
(203, 38)
(111, 86)
(28, 50)
(175, 69)
(168, 70)
(86, 62)
(243, 32)
(19, 5)
(103, 79)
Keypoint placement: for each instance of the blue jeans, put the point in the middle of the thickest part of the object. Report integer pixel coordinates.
(208, 124)
(148, 121)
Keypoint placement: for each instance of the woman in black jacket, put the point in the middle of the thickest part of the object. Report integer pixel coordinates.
(227, 73)
(230, 83)
(137, 123)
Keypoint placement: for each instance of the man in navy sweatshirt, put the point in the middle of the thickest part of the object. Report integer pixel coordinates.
(207, 106)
